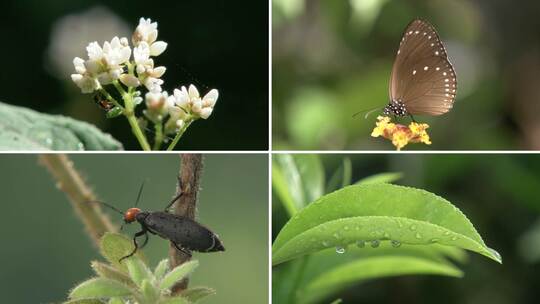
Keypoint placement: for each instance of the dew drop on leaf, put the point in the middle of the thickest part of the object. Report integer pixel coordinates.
(340, 249)
(447, 233)
(395, 243)
(413, 227)
(325, 243)
(454, 238)
(375, 243)
(434, 240)
(418, 235)
(360, 244)
(386, 235)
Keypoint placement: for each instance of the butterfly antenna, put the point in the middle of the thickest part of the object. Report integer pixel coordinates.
(369, 111)
(108, 206)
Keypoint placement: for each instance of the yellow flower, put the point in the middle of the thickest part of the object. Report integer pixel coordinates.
(401, 135)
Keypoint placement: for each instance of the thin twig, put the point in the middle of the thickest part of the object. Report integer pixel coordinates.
(189, 179)
(79, 194)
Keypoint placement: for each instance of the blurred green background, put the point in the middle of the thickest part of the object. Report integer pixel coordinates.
(333, 58)
(212, 44)
(499, 195)
(45, 250)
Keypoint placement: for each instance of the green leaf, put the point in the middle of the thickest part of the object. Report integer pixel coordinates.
(149, 292)
(175, 300)
(109, 272)
(26, 129)
(341, 177)
(194, 294)
(297, 179)
(387, 177)
(351, 273)
(114, 246)
(161, 269)
(380, 212)
(115, 301)
(177, 274)
(336, 301)
(100, 288)
(84, 301)
(138, 271)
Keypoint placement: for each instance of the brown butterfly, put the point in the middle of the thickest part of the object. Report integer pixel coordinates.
(423, 81)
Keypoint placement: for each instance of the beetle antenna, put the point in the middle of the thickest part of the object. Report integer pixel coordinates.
(140, 192)
(108, 206)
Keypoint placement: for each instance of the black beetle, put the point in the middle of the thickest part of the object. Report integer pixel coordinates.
(184, 233)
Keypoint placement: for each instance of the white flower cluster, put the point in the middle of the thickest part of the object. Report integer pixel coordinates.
(112, 62)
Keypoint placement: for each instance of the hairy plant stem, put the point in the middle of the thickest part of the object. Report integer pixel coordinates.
(189, 179)
(129, 112)
(158, 139)
(79, 194)
(179, 134)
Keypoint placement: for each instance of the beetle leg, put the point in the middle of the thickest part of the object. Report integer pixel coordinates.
(175, 199)
(140, 233)
(186, 252)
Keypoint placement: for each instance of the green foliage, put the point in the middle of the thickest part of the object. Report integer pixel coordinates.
(132, 281)
(25, 129)
(297, 180)
(367, 231)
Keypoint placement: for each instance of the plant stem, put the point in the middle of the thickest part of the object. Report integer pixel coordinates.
(179, 134)
(159, 135)
(189, 179)
(135, 128)
(73, 185)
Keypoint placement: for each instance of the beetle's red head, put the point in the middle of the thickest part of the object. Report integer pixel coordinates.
(130, 214)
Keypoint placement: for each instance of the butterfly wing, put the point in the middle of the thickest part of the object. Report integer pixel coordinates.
(422, 77)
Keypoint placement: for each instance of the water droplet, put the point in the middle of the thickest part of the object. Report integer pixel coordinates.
(413, 227)
(360, 244)
(395, 243)
(447, 233)
(340, 249)
(418, 235)
(495, 253)
(325, 243)
(386, 235)
(434, 240)
(454, 238)
(337, 235)
(375, 243)
(346, 228)
(357, 228)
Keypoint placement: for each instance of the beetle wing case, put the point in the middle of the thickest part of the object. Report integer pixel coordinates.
(183, 231)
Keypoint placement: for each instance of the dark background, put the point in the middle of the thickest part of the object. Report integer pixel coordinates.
(213, 44)
(499, 195)
(334, 58)
(45, 251)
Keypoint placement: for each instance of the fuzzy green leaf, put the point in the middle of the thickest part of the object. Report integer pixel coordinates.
(149, 292)
(177, 274)
(114, 246)
(387, 177)
(138, 271)
(26, 129)
(161, 269)
(99, 288)
(109, 272)
(84, 301)
(377, 212)
(194, 294)
(175, 300)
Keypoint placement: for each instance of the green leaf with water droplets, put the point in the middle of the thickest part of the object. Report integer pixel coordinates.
(26, 129)
(377, 212)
